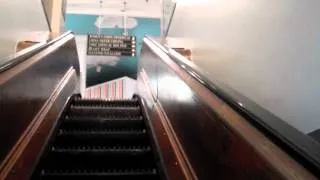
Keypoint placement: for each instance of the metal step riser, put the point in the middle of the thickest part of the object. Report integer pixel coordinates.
(104, 112)
(128, 103)
(100, 176)
(100, 140)
(103, 124)
(100, 162)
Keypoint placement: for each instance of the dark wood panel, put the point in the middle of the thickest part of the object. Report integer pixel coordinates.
(148, 66)
(213, 150)
(173, 165)
(218, 142)
(25, 88)
(25, 157)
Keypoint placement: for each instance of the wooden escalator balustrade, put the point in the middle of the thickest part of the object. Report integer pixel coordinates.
(215, 141)
(33, 92)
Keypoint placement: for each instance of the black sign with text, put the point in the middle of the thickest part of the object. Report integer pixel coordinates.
(104, 45)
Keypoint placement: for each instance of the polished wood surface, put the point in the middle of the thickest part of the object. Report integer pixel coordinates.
(173, 162)
(217, 142)
(32, 94)
(25, 155)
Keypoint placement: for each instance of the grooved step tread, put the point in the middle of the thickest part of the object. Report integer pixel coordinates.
(108, 172)
(104, 112)
(100, 139)
(99, 132)
(120, 123)
(96, 120)
(104, 103)
(100, 149)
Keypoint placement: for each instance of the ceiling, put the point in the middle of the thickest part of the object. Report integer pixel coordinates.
(134, 8)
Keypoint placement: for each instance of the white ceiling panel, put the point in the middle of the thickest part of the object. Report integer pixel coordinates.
(134, 8)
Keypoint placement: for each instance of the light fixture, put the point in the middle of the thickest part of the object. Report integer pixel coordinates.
(98, 68)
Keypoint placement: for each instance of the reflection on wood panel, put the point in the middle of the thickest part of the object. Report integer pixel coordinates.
(217, 141)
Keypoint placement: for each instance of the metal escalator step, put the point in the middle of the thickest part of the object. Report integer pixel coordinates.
(102, 149)
(102, 119)
(91, 138)
(100, 139)
(105, 103)
(108, 122)
(100, 158)
(104, 112)
(101, 174)
(88, 132)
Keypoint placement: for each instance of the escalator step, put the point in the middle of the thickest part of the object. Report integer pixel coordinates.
(100, 174)
(105, 103)
(90, 132)
(102, 119)
(91, 138)
(104, 112)
(109, 122)
(100, 139)
(100, 158)
(101, 150)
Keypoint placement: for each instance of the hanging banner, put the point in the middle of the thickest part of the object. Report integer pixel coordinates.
(104, 45)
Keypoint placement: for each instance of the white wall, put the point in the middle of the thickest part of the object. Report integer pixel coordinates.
(129, 88)
(21, 20)
(269, 50)
(123, 88)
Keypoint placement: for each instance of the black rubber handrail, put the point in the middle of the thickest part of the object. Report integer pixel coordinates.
(300, 146)
(25, 54)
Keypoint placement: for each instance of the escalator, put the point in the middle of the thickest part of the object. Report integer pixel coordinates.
(179, 126)
(97, 139)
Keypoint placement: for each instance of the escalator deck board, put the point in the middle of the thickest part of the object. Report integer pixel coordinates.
(98, 139)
